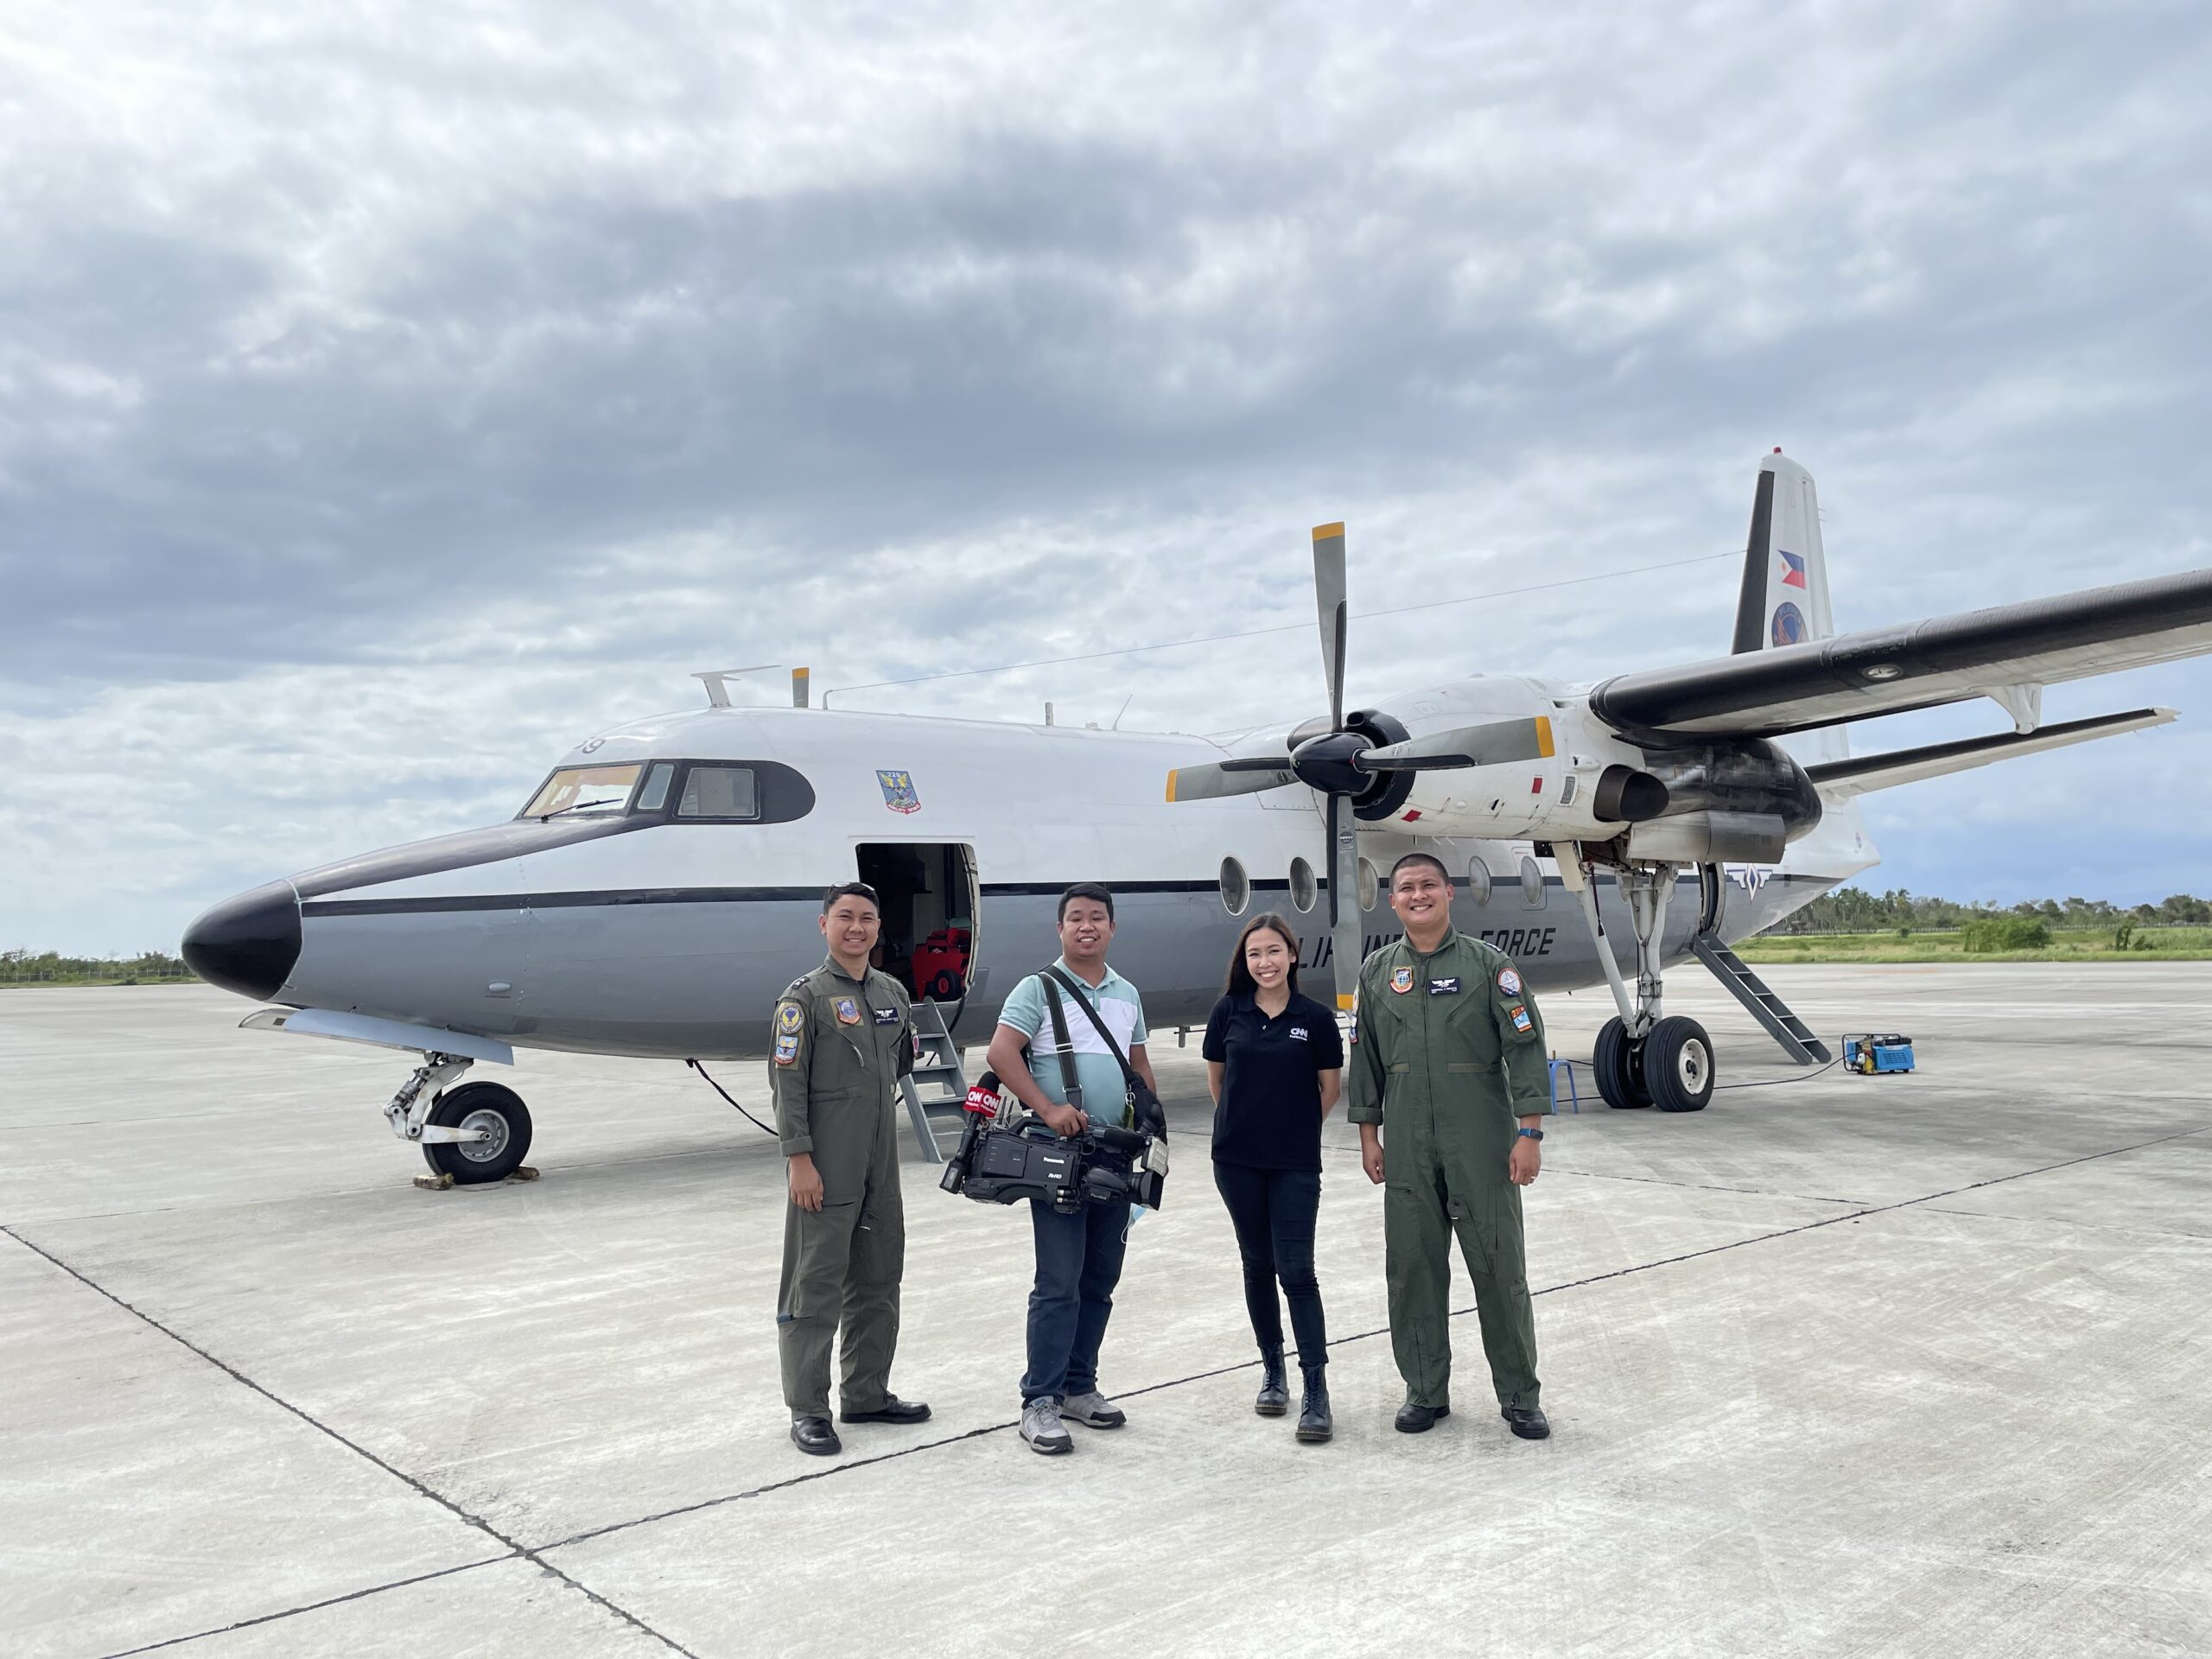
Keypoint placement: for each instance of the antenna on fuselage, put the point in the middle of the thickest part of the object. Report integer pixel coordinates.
(717, 680)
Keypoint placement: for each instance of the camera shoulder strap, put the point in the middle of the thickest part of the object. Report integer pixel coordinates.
(1081, 1002)
(1069, 1084)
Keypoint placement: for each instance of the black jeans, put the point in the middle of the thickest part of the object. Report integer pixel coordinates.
(1273, 1211)
(1078, 1264)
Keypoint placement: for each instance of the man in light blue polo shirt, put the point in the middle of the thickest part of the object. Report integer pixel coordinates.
(1078, 1256)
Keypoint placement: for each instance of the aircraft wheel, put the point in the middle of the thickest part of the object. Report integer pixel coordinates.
(1618, 1066)
(488, 1106)
(1678, 1064)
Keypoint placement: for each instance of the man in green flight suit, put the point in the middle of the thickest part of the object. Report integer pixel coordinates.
(843, 1037)
(1447, 1042)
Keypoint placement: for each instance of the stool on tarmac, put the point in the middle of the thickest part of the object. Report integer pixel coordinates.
(1575, 1100)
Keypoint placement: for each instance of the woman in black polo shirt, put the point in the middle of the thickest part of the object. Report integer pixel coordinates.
(1274, 1062)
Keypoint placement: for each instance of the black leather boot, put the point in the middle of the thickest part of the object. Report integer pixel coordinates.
(1314, 1423)
(1274, 1399)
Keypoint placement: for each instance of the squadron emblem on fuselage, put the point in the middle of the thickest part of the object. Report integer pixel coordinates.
(898, 791)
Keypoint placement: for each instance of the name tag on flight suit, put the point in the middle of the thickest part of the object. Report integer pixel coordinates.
(885, 1016)
(1444, 987)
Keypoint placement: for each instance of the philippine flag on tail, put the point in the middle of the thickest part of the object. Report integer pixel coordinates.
(1793, 570)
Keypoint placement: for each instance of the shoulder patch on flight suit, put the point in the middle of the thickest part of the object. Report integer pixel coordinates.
(848, 1012)
(1508, 982)
(1520, 1017)
(790, 1024)
(1401, 980)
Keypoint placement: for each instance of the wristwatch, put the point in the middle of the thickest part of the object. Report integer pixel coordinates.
(1533, 1135)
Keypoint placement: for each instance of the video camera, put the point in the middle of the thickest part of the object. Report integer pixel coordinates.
(1004, 1163)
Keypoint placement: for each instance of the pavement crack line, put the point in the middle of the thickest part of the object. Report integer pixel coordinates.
(513, 1546)
(313, 1606)
(813, 1475)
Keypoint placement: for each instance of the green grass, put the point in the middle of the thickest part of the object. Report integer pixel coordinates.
(2067, 945)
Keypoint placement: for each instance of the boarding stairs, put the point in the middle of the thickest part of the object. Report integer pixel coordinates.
(937, 1084)
(1795, 1037)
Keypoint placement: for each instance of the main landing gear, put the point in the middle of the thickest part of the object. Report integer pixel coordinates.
(477, 1133)
(1644, 1056)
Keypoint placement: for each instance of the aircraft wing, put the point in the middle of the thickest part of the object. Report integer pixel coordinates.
(1862, 774)
(2008, 652)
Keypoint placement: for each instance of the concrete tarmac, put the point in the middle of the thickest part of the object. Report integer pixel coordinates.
(1840, 1365)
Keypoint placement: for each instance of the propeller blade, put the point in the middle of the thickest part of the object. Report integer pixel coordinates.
(1216, 778)
(1493, 745)
(1347, 935)
(1329, 590)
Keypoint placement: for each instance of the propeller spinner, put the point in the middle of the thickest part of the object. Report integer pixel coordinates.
(1343, 760)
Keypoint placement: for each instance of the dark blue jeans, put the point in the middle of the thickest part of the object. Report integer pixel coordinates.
(1078, 1264)
(1273, 1211)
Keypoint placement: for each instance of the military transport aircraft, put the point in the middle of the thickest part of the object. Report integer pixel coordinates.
(659, 888)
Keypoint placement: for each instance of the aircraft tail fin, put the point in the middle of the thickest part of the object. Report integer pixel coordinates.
(1784, 598)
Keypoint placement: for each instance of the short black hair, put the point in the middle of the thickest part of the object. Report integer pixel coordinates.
(1419, 858)
(1084, 890)
(858, 889)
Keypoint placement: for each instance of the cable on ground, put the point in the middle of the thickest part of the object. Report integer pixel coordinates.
(725, 1095)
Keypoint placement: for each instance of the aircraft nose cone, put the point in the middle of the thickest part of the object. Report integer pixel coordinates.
(248, 943)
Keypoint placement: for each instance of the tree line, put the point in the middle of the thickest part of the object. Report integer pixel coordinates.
(51, 968)
(1852, 910)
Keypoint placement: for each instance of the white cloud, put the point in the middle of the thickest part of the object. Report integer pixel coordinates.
(390, 396)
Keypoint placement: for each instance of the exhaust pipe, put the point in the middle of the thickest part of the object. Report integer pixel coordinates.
(1624, 795)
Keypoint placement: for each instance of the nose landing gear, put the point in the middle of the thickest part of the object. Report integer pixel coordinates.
(476, 1133)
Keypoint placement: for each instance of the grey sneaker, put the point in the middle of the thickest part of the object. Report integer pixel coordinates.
(1040, 1427)
(1093, 1410)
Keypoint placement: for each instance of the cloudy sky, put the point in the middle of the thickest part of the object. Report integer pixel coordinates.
(391, 396)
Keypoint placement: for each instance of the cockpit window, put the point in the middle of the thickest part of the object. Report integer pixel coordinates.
(712, 791)
(585, 792)
(654, 796)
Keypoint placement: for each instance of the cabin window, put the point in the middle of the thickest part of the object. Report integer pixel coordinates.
(712, 791)
(1370, 885)
(1303, 887)
(1478, 882)
(1532, 884)
(1235, 886)
(585, 792)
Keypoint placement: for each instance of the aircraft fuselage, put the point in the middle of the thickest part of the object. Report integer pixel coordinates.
(644, 934)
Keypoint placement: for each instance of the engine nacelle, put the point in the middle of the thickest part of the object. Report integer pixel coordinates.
(1592, 785)
(1733, 802)
(1747, 778)
(1588, 788)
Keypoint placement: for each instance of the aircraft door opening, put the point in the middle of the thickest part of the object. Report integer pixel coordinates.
(930, 895)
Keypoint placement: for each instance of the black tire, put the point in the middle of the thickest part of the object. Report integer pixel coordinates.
(478, 1163)
(946, 985)
(1617, 1066)
(1678, 1065)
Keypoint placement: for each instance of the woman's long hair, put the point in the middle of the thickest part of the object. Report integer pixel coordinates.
(1241, 981)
